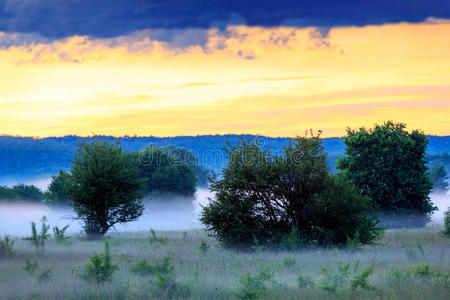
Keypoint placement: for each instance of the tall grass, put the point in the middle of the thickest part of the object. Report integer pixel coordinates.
(385, 271)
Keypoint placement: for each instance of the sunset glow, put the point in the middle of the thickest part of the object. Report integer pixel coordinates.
(272, 81)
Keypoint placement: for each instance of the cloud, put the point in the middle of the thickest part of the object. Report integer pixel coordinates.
(320, 37)
(434, 21)
(105, 18)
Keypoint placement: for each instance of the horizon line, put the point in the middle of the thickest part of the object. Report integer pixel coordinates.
(174, 136)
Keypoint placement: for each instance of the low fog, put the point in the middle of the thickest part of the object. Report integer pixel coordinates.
(175, 213)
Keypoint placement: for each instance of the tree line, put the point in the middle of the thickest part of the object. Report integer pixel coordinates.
(22, 157)
(263, 198)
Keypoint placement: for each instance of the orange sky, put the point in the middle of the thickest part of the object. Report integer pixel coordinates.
(271, 81)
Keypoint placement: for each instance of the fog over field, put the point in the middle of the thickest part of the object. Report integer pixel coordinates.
(173, 213)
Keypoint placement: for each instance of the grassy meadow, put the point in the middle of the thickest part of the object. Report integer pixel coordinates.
(407, 264)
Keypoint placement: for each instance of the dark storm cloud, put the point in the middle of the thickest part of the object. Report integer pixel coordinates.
(110, 18)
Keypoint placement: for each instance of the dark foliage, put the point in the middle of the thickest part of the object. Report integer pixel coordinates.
(21, 157)
(387, 164)
(262, 198)
(56, 193)
(438, 177)
(21, 192)
(165, 172)
(104, 186)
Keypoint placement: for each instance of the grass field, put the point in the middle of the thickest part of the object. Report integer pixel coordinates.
(407, 264)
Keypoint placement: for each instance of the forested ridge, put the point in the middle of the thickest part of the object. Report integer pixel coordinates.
(27, 156)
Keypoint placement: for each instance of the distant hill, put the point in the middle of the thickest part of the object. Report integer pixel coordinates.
(22, 157)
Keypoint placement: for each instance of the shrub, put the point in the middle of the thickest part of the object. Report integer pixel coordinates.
(331, 280)
(38, 240)
(166, 285)
(104, 187)
(161, 266)
(155, 239)
(285, 200)
(438, 177)
(422, 270)
(289, 262)
(6, 247)
(254, 286)
(100, 267)
(142, 268)
(30, 266)
(361, 279)
(59, 234)
(203, 247)
(387, 164)
(56, 193)
(447, 222)
(304, 281)
(45, 275)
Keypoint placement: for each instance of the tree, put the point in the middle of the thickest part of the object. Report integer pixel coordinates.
(186, 155)
(21, 192)
(386, 163)
(267, 198)
(56, 193)
(438, 177)
(104, 187)
(165, 172)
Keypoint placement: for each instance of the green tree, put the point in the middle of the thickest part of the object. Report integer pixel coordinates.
(386, 163)
(201, 173)
(104, 187)
(165, 172)
(264, 198)
(21, 192)
(56, 193)
(438, 177)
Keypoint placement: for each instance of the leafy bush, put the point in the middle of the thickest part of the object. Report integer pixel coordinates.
(161, 266)
(6, 247)
(447, 222)
(285, 200)
(166, 286)
(387, 164)
(59, 234)
(438, 177)
(45, 275)
(331, 279)
(304, 281)
(289, 262)
(100, 267)
(30, 266)
(254, 286)
(57, 193)
(155, 239)
(142, 268)
(38, 240)
(203, 247)
(421, 270)
(361, 279)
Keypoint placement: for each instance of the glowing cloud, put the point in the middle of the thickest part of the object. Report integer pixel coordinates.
(275, 81)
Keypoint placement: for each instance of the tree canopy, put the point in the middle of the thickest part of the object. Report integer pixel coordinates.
(56, 193)
(21, 192)
(164, 171)
(104, 186)
(438, 177)
(387, 164)
(266, 198)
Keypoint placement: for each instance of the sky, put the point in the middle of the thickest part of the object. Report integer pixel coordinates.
(275, 68)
